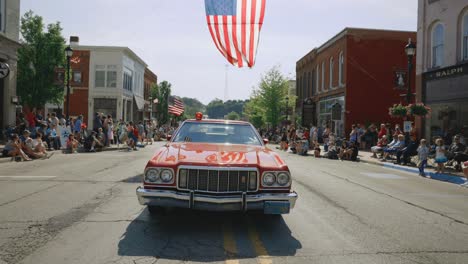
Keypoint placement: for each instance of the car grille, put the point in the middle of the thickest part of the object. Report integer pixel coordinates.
(218, 181)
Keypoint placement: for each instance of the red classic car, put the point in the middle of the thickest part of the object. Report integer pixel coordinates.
(217, 165)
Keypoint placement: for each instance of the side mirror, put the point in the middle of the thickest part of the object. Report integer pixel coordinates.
(266, 141)
(168, 137)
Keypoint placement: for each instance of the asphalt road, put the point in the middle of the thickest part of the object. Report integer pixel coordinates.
(83, 209)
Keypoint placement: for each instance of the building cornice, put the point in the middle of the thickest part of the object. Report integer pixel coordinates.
(126, 50)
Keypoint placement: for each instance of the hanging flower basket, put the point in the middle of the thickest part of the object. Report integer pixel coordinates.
(419, 109)
(398, 111)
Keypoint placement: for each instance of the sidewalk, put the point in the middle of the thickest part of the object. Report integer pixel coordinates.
(449, 175)
(60, 152)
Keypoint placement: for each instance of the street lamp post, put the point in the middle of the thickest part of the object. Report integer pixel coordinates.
(68, 53)
(287, 110)
(410, 50)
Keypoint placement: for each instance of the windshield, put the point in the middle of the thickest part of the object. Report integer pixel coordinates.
(217, 133)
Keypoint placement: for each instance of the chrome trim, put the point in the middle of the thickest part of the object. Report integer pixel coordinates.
(276, 184)
(217, 168)
(145, 196)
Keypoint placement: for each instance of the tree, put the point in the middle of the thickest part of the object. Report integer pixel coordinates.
(254, 112)
(192, 106)
(233, 116)
(41, 53)
(271, 95)
(162, 92)
(215, 109)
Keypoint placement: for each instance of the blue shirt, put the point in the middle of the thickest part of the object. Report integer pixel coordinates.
(78, 125)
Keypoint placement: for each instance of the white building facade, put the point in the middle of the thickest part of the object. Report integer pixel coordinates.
(116, 84)
(9, 44)
(442, 65)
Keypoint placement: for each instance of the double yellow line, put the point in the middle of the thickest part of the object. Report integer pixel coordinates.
(231, 248)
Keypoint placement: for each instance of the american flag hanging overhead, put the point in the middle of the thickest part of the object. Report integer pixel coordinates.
(176, 106)
(235, 27)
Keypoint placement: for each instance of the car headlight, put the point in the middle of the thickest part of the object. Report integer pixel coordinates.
(166, 175)
(152, 175)
(269, 179)
(283, 178)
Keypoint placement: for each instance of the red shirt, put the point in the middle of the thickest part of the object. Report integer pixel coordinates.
(382, 132)
(31, 119)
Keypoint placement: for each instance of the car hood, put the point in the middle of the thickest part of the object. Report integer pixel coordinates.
(202, 154)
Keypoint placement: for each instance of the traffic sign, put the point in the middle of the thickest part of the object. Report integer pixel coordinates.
(4, 70)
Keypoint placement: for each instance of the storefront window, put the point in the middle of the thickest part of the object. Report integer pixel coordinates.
(325, 115)
(448, 118)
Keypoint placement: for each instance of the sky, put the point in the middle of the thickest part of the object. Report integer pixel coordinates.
(172, 36)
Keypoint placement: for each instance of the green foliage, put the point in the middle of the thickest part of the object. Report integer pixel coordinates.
(254, 112)
(217, 109)
(233, 116)
(41, 52)
(192, 106)
(162, 92)
(398, 110)
(269, 99)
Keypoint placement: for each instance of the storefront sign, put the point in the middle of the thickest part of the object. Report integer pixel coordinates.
(4, 70)
(447, 72)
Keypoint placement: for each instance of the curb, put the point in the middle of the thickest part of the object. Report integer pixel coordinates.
(439, 177)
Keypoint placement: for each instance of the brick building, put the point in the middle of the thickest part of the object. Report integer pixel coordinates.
(109, 80)
(357, 69)
(79, 85)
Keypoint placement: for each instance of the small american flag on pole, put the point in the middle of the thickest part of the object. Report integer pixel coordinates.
(235, 27)
(176, 106)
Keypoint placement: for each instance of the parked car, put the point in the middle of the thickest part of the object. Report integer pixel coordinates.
(217, 165)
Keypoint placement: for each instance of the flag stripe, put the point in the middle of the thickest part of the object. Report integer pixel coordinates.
(177, 107)
(210, 27)
(244, 28)
(226, 40)
(252, 32)
(235, 42)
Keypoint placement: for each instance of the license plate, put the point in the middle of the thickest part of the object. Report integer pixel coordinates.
(271, 207)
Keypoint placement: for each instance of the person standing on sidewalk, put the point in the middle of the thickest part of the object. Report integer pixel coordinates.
(440, 155)
(423, 153)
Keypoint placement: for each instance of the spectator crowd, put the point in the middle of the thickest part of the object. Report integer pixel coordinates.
(386, 143)
(36, 136)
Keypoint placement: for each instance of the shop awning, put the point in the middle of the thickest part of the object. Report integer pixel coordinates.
(140, 103)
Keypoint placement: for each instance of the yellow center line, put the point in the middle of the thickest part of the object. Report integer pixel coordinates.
(229, 244)
(260, 250)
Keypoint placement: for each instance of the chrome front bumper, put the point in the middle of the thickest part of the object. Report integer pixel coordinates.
(270, 203)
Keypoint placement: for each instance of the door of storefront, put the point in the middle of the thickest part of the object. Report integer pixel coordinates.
(106, 106)
(325, 115)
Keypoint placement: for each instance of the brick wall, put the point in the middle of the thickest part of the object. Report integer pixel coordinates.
(373, 57)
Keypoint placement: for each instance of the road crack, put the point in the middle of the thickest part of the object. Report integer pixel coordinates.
(398, 199)
(37, 234)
